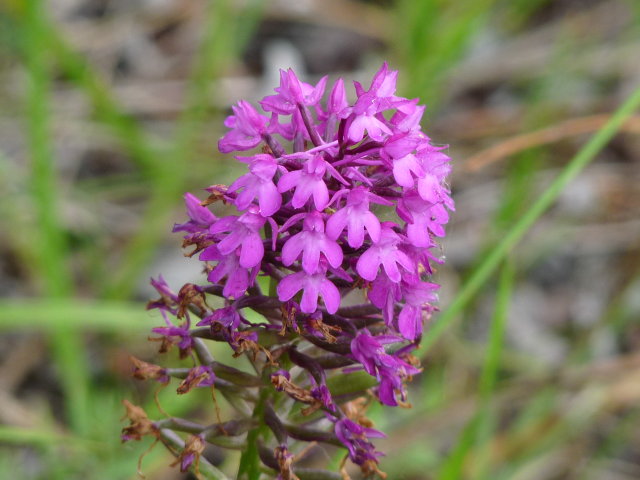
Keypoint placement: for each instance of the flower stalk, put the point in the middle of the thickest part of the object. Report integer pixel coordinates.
(344, 229)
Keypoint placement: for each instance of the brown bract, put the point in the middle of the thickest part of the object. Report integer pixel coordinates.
(285, 461)
(166, 344)
(190, 454)
(193, 380)
(200, 240)
(148, 371)
(282, 384)
(190, 294)
(140, 424)
(288, 320)
(355, 410)
(327, 331)
(218, 193)
(243, 344)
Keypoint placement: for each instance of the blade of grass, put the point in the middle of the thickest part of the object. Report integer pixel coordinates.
(214, 51)
(432, 37)
(106, 107)
(491, 365)
(32, 436)
(486, 268)
(68, 350)
(44, 190)
(478, 430)
(14, 201)
(143, 150)
(74, 315)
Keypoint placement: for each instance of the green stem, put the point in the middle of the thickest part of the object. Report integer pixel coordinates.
(249, 468)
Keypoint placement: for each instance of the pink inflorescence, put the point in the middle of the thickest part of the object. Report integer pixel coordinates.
(340, 209)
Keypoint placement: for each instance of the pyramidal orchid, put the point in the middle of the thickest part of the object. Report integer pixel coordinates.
(322, 278)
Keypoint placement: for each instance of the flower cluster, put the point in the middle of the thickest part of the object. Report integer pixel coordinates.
(340, 226)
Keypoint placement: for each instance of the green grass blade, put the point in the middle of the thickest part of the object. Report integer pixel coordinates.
(106, 107)
(66, 314)
(431, 38)
(214, 51)
(496, 334)
(67, 347)
(31, 436)
(482, 273)
(479, 428)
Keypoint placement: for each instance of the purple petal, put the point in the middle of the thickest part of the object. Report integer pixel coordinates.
(330, 295)
(289, 180)
(391, 268)
(270, 199)
(336, 223)
(373, 226)
(289, 286)
(210, 253)
(410, 322)
(292, 249)
(198, 213)
(303, 191)
(368, 263)
(333, 252)
(237, 283)
(232, 241)
(252, 251)
(320, 195)
(309, 303)
(310, 259)
(356, 129)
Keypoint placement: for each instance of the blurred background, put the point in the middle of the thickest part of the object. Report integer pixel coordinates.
(111, 109)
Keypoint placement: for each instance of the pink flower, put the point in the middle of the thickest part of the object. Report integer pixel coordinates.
(291, 93)
(423, 217)
(307, 182)
(200, 218)
(385, 253)
(310, 219)
(244, 232)
(356, 217)
(389, 369)
(312, 286)
(311, 242)
(238, 277)
(366, 111)
(258, 183)
(355, 437)
(417, 296)
(247, 128)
